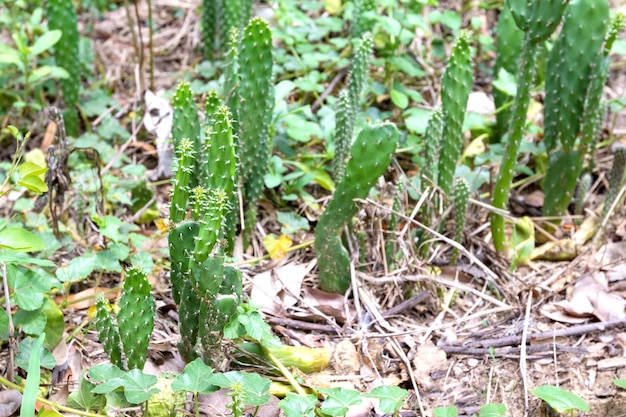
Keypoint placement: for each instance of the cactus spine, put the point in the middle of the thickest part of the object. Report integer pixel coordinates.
(538, 20)
(574, 80)
(135, 321)
(461, 198)
(455, 88)
(62, 16)
(369, 158)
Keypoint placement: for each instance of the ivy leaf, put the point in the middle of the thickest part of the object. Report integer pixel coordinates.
(338, 400)
(295, 405)
(139, 387)
(391, 398)
(83, 398)
(196, 378)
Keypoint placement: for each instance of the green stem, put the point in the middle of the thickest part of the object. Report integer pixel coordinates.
(515, 134)
(49, 403)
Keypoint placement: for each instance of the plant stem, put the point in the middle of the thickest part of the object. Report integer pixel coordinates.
(49, 403)
(515, 134)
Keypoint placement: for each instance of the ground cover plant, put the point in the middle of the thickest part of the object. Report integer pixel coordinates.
(350, 207)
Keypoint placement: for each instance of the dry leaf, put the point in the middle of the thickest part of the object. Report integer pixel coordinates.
(87, 298)
(275, 290)
(612, 260)
(330, 304)
(10, 402)
(591, 296)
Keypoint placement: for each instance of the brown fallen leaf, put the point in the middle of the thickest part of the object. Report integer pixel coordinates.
(591, 296)
(84, 299)
(332, 305)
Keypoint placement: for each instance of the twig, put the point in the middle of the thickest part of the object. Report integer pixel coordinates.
(318, 103)
(523, 349)
(512, 350)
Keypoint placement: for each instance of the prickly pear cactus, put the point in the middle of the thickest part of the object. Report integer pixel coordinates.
(455, 89)
(369, 158)
(256, 93)
(186, 123)
(135, 319)
(344, 127)
(62, 15)
(509, 44)
(184, 172)
(574, 59)
(108, 334)
(616, 177)
(538, 20)
(432, 146)
(359, 71)
(461, 198)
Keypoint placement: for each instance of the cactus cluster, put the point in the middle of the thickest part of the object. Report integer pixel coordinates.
(349, 104)
(129, 331)
(62, 15)
(574, 80)
(369, 158)
(200, 281)
(537, 20)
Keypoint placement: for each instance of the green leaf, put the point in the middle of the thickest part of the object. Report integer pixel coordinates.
(32, 380)
(445, 411)
(253, 389)
(78, 268)
(20, 240)
(29, 168)
(34, 184)
(391, 398)
(138, 387)
(55, 323)
(399, 99)
(32, 322)
(416, 120)
(506, 82)
(104, 372)
(291, 222)
(338, 400)
(29, 289)
(492, 410)
(25, 351)
(560, 400)
(10, 55)
(195, 378)
(45, 42)
(619, 382)
(295, 405)
(83, 398)
(4, 326)
(18, 258)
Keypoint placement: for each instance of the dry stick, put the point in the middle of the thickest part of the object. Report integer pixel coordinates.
(318, 103)
(512, 350)
(522, 356)
(570, 331)
(491, 276)
(120, 151)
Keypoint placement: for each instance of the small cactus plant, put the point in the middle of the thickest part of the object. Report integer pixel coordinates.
(135, 321)
(369, 158)
(461, 198)
(62, 15)
(537, 20)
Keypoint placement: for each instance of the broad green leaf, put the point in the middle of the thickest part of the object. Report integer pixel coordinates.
(83, 399)
(20, 240)
(416, 120)
(25, 350)
(391, 398)
(492, 410)
(445, 411)
(55, 323)
(399, 99)
(195, 378)
(338, 400)
(620, 383)
(29, 168)
(18, 258)
(29, 289)
(104, 372)
(252, 388)
(295, 405)
(562, 401)
(9, 55)
(78, 268)
(32, 380)
(139, 387)
(32, 322)
(34, 184)
(4, 326)
(291, 223)
(45, 42)
(506, 82)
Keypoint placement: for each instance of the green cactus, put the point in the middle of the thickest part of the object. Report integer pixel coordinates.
(432, 146)
(231, 75)
(108, 333)
(370, 156)
(184, 172)
(510, 39)
(210, 26)
(461, 199)
(211, 103)
(362, 19)
(256, 93)
(62, 15)
(186, 124)
(181, 244)
(581, 192)
(344, 126)
(135, 319)
(359, 70)
(616, 177)
(574, 76)
(455, 89)
(538, 20)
